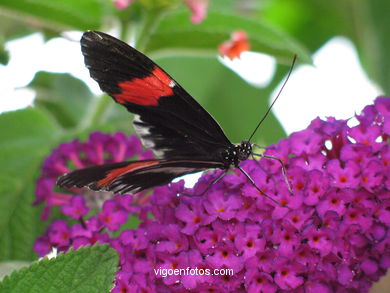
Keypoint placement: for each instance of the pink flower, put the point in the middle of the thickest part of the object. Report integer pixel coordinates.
(198, 9)
(122, 4)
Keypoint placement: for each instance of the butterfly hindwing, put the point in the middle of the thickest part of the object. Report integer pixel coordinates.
(135, 176)
(169, 120)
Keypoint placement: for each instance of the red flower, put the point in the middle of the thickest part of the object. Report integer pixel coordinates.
(237, 44)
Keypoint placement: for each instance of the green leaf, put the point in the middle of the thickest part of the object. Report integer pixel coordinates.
(88, 269)
(55, 15)
(27, 136)
(311, 22)
(18, 220)
(4, 55)
(66, 98)
(235, 104)
(11, 28)
(176, 36)
(373, 39)
(365, 22)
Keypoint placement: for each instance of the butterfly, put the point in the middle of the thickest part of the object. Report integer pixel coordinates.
(183, 135)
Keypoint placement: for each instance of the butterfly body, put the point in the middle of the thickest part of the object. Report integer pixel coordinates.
(234, 154)
(182, 134)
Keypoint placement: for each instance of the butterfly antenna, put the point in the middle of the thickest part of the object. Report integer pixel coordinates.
(277, 96)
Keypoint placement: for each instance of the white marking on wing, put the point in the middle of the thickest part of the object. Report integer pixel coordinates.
(143, 133)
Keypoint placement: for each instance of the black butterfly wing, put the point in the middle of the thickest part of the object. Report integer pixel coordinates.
(168, 119)
(135, 176)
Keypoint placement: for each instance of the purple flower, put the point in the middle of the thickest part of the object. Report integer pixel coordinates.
(335, 200)
(344, 176)
(316, 186)
(195, 260)
(333, 236)
(76, 208)
(42, 245)
(191, 212)
(59, 233)
(225, 256)
(263, 261)
(307, 141)
(207, 237)
(286, 239)
(257, 281)
(249, 242)
(174, 242)
(100, 148)
(44, 193)
(288, 273)
(113, 216)
(224, 207)
(320, 240)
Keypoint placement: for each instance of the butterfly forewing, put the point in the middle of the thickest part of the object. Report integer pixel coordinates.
(168, 119)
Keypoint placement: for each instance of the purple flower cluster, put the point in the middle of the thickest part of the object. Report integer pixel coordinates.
(99, 149)
(334, 235)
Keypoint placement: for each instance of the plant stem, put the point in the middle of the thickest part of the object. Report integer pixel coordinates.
(151, 18)
(99, 109)
(102, 105)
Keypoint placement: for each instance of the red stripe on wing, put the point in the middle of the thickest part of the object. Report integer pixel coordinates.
(115, 173)
(145, 91)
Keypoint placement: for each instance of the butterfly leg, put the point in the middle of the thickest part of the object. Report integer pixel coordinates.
(215, 180)
(284, 172)
(259, 146)
(258, 189)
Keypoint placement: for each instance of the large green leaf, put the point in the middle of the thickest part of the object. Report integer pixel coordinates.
(72, 105)
(11, 28)
(236, 105)
(27, 136)
(311, 22)
(66, 98)
(373, 39)
(55, 15)
(88, 269)
(4, 55)
(365, 22)
(176, 36)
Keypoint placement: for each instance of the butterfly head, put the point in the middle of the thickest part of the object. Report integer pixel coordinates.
(236, 153)
(244, 150)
